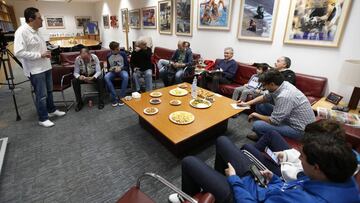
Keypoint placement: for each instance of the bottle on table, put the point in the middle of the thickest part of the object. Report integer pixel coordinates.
(194, 88)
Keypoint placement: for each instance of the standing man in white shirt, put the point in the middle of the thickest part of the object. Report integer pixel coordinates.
(31, 49)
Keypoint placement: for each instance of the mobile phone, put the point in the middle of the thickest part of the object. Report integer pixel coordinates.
(272, 155)
(257, 175)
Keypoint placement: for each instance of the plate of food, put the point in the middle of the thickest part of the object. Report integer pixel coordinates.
(175, 102)
(151, 111)
(155, 101)
(181, 117)
(183, 86)
(155, 94)
(204, 94)
(200, 103)
(178, 92)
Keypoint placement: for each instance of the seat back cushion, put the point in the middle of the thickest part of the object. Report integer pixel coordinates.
(313, 86)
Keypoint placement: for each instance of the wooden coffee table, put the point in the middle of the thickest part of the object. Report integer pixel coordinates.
(208, 123)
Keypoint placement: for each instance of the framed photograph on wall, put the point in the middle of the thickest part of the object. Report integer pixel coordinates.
(81, 20)
(148, 17)
(316, 23)
(114, 22)
(54, 22)
(91, 28)
(214, 15)
(165, 17)
(124, 18)
(134, 19)
(106, 21)
(257, 19)
(183, 17)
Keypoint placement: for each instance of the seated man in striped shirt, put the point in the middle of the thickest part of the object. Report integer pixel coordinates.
(291, 113)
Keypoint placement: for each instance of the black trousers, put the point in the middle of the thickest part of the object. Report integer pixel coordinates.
(215, 79)
(196, 175)
(99, 82)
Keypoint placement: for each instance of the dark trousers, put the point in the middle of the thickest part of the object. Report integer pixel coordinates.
(275, 142)
(43, 87)
(196, 175)
(215, 79)
(99, 82)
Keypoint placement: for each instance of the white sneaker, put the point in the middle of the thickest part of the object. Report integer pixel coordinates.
(175, 198)
(56, 113)
(46, 123)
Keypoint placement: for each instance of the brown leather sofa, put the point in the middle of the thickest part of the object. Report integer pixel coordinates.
(312, 86)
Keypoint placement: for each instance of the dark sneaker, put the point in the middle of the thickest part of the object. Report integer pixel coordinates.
(121, 103)
(101, 106)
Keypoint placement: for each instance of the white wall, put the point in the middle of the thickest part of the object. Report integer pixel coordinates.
(68, 10)
(306, 59)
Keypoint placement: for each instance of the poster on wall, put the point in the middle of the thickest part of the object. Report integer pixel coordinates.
(183, 17)
(114, 22)
(106, 22)
(316, 23)
(165, 17)
(257, 19)
(91, 28)
(81, 20)
(124, 18)
(54, 22)
(214, 14)
(134, 19)
(149, 17)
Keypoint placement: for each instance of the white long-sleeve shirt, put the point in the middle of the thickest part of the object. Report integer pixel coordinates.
(28, 46)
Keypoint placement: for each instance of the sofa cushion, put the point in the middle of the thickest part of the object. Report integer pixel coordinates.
(68, 58)
(227, 89)
(312, 86)
(165, 53)
(102, 54)
(244, 73)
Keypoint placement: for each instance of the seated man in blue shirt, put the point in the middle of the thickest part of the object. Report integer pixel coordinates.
(118, 66)
(173, 69)
(224, 74)
(327, 160)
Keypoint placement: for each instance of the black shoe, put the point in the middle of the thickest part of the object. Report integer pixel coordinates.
(101, 106)
(79, 106)
(120, 102)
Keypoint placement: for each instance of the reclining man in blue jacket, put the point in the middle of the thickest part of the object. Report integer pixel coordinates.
(328, 164)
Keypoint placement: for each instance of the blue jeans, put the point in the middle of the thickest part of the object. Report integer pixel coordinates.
(169, 74)
(261, 127)
(43, 87)
(109, 77)
(148, 79)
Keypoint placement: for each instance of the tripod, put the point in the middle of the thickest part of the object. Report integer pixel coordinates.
(9, 76)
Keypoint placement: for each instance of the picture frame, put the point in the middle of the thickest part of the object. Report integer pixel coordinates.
(124, 18)
(165, 17)
(148, 17)
(183, 17)
(91, 28)
(319, 23)
(80, 20)
(106, 21)
(216, 16)
(54, 22)
(134, 19)
(334, 98)
(257, 22)
(114, 22)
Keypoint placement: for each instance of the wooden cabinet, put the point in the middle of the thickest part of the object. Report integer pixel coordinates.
(7, 18)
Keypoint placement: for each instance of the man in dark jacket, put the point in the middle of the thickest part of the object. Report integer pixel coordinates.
(282, 65)
(141, 65)
(173, 69)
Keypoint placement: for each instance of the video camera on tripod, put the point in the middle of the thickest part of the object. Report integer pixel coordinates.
(5, 64)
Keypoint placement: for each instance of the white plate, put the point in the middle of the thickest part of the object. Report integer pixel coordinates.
(153, 113)
(155, 101)
(175, 120)
(155, 94)
(203, 105)
(178, 92)
(177, 104)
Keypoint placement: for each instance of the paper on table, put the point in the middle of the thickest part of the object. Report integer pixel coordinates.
(239, 107)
